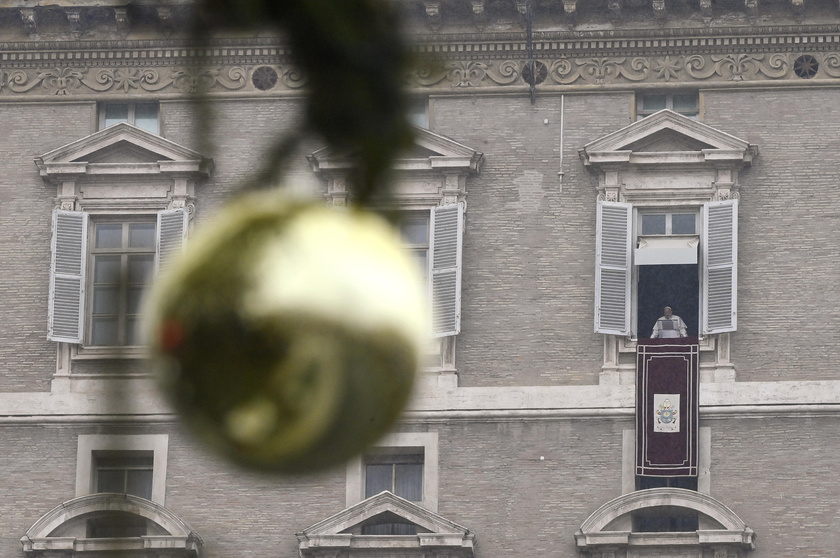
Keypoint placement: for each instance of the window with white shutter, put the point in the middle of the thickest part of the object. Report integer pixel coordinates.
(445, 275)
(101, 265)
(625, 276)
(171, 233)
(720, 257)
(67, 276)
(612, 275)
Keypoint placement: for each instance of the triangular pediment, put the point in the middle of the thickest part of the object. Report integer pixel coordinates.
(385, 507)
(667, 137)
(668, 140)
(121, 149)
(430, 151)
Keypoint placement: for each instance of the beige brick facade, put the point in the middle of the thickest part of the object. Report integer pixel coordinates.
(532, 411)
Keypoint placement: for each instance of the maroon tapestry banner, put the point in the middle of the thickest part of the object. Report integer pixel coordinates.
(667, 407)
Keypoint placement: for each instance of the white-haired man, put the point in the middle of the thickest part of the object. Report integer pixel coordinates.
(668, 326)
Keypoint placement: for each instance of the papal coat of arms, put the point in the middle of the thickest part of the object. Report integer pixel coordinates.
(666, 409)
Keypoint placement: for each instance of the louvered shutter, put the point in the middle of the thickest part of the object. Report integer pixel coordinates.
(171, 230)
(445, 245)
(720, 257)
(67, 276)
(613, 265)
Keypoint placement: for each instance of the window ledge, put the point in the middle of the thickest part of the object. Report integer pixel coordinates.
(629, 345)
(80, 352)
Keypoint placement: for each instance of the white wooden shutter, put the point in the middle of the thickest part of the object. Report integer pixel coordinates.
(67, 276)
(720, 257)
(445, 245)
(171, 233)
(613, 265)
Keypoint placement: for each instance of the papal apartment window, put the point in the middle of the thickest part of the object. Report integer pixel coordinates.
(685, 103)
(651, 258)
(143, 115)
(122, 264)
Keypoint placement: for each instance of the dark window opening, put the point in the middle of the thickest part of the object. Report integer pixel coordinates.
(677, 286)
(143, 115)
(401, 474)
(125, 473)
(643, 482)
(116, 524)
(390, 529)
(665, 519)
(685, 103)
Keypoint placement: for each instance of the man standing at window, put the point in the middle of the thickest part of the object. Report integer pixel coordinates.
(668, 326)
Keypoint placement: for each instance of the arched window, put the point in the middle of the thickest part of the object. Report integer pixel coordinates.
(116, 523)
(664, 522)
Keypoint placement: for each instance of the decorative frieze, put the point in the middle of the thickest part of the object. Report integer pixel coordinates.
(126, 67)
(696, 70)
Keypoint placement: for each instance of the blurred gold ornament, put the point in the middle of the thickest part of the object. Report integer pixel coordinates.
(288, 334)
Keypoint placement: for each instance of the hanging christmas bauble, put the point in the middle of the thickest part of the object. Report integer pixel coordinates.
(287, 334)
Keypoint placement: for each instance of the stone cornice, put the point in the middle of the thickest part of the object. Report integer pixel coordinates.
(474, 63)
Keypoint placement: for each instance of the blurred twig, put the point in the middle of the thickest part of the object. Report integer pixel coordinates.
(354, 57)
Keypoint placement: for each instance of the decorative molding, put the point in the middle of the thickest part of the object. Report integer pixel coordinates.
(339, 535)
(30, 20)
(696, 58)
(179, 539)
(729, 533)
(694, 70)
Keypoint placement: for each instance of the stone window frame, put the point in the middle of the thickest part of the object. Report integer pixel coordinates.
(607, 532)
(641, 113)
(123, 171)
(340, 534)
(427, 442)
(666, 161)
(430, 179)
(131, 110)
(89, 444)
(51, 535)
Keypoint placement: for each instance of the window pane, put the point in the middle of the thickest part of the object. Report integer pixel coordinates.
(141, 235)
(377, 479)
(409, 481)
(415, 230)
(653, 223)
(132, 331)
(110, 481)
(139, 483)
(115, 113)
(418, 113)
(104, 331)
(420, 256)
(653, 102)
(106, 300)
(135, 300)
(116, 524)
(146, 117)
(108, 235)
(685, 103)
(683, 223)
(140, 268)
(106, 269)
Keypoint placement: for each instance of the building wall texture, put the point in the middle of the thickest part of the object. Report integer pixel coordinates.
(531, 430)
